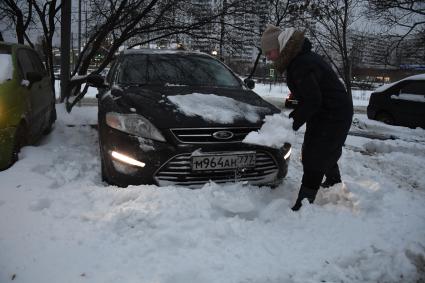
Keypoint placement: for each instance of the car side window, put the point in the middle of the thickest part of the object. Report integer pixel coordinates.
(24, 63)
(36, 62)
(116, 72)
(414, 87)
(111, 73)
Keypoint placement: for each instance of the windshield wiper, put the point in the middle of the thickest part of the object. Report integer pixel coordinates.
(133, 84)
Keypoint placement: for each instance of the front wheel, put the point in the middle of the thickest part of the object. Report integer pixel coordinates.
(103, 172)
(52, 120)
(18, 142)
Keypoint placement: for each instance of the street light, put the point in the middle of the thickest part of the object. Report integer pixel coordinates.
(214, 53)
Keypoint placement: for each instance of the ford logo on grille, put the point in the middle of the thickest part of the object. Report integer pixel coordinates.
(223, 135)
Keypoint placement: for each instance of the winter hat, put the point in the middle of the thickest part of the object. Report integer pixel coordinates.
(269, 39)
(284, 37)
(291, 42)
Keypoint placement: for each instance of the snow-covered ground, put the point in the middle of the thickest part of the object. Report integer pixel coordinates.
(278, 92)
(60, 223)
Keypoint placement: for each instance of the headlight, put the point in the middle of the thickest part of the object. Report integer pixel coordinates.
(134, 124)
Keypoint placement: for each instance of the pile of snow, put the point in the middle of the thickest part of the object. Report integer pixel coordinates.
(216, 108)
(60, 223)
(275, 132)
(6, 67)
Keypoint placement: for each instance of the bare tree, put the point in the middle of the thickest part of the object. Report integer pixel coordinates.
(47, 12)
(330, 29)
(22, 14)
(282, 13)
(409, 15)
(236, 26)
(117, 23)
(401, 19)
(18, 13)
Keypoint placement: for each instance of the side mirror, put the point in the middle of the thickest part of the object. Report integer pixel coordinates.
(249, 83)
(116, 91)
(34, 77)
(96, 80)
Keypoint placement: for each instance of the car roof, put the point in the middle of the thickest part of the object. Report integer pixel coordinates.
(161, 51)
(12, 44)
(420, 77)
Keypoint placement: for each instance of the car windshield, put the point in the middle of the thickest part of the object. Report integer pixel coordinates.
(6, 66)
(175, 69)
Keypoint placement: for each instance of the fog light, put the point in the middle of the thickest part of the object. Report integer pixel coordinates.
(288, 154)
(126, 159)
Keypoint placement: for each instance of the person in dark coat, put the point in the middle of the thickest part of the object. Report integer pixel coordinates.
(323, 105)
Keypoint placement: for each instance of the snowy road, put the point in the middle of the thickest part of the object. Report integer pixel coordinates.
(60, 223)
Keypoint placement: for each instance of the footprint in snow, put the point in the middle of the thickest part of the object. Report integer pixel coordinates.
(40, 204)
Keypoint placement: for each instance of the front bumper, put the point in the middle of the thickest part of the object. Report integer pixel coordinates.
(6, 146)
(371, 112)
(169, 163)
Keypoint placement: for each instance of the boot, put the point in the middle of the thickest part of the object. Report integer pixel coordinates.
(307, 193)
(332, 177)
(329, 182)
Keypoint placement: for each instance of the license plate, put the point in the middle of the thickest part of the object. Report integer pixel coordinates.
(223, 161)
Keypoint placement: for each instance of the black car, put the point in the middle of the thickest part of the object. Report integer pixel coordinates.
(146, 137)
(401, 103)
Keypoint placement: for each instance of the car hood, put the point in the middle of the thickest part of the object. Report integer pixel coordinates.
(181, 107)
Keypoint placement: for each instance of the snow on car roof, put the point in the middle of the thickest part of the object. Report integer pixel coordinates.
(419, 77)
(159, 51)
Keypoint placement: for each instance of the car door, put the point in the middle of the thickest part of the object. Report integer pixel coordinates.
(35, 115)
(411, 103)
(42, 90)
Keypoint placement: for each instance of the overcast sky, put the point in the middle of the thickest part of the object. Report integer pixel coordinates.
(362, 24)
(10, 34)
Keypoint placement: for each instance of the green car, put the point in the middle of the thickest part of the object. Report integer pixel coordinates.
(27, 102)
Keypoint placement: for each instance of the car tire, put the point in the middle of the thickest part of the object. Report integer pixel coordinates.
(19, 141)
(103, 170)
(52, 120)
(385, 117)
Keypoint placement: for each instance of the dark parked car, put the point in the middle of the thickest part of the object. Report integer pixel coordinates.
(400, 103)
(147, 137)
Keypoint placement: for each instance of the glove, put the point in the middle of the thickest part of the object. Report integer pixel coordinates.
(296, 124)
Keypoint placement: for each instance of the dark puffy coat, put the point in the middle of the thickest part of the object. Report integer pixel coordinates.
(324, 105)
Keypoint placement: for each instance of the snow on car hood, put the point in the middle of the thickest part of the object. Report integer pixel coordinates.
(6, 67)
(195, 107)
(214, 108)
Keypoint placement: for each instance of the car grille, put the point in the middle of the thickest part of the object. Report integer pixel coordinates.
(177, 171)
(206, 135)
